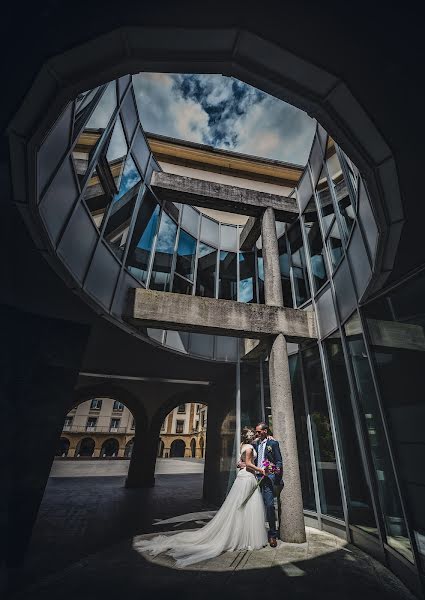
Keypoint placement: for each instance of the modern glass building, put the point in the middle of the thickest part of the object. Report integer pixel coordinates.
(82, 173)
(358, 435)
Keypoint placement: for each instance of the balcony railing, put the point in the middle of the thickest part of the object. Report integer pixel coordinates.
(96, 429)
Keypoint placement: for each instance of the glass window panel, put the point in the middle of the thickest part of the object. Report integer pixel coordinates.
(227, 283)
(247, 291)
(141, 150)
(161, 271)
(360, 510)
(190, 220)
(304, 457)
(340, 187)
(117, 227)
(201, 344)
(182, 285)
(325, 201)
(142, 239)
(92, 132)
(396, 325)
(104, 110)
(207, 267)
(228, 237)
(84, 99)
(209, 231)
(186, 250)
(285, 277)
(117, 152)
(315, 244)
(251, 398)
(335, 244)
(327, 474)
(96, 198)
(299, 265)
(395, 525)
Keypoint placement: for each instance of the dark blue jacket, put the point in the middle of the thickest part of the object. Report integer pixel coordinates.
(272, 453)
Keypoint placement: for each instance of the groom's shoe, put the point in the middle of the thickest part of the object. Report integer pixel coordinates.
(273, 542)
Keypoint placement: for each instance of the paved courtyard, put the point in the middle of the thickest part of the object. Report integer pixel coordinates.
(85, 546)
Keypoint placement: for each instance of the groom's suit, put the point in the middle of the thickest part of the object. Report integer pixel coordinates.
(269, 450)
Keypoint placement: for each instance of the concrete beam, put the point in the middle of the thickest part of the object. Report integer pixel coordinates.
(250, 233)
(229, 198)
(165, 310)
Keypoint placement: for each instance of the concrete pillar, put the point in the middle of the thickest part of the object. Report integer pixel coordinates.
(272, 282)
(141, 470)
(292, 528)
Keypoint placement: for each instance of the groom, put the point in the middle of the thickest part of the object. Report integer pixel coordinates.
(268, 449)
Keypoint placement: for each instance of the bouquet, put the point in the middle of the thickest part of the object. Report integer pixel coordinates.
(270, 468)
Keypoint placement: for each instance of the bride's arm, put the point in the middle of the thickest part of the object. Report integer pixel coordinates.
(250, 465)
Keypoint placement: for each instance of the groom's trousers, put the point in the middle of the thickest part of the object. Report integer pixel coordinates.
(268, 499)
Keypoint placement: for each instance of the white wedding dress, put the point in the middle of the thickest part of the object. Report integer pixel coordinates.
(232, 528)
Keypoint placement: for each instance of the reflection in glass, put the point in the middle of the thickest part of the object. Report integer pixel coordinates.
(299, 265)
(207, 267)
(161, 270)
(209, 231)
(342, 195)
(327, 474)
(96, 198)
(117, 152)
(181, 285)
(335, 243)
(330, 224)
(121, 211)
(247, 292)
(285, 277)
(315, 244)
(395, 525)
(142, 238)
(227, 282)
(304, 457)
(360, 511)
(251, 399)
(92, 132)
(228, 237)
(396, 325)
(186, 250)
(190, 220)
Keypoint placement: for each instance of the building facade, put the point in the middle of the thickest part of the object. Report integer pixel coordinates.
(105, 428)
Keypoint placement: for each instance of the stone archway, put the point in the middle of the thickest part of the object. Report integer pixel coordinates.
(85, 447)
(177, 449)
(109, 448)
(63, 447)
(160, 448)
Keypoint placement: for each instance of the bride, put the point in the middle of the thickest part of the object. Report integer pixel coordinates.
(232, 528)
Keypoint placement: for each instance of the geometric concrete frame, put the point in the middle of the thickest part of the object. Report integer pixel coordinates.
(230, 51)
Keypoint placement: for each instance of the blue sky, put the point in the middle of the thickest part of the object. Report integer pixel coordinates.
(225, 113)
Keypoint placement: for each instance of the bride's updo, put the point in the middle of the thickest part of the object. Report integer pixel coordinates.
(247, 435)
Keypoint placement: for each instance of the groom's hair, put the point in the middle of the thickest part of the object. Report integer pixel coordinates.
(263, 425)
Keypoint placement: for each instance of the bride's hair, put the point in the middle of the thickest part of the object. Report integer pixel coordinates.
(247, 435)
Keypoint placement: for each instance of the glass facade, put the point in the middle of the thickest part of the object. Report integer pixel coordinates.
(357, 396)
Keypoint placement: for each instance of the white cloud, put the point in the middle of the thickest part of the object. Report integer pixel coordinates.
(223, 112)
